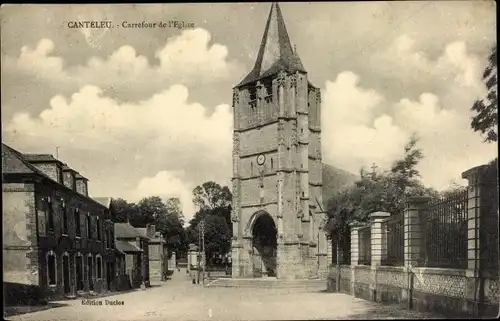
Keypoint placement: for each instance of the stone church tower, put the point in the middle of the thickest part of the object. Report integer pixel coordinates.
(277, 202)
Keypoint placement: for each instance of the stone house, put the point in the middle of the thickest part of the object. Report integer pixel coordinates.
(158, 254)
(135, 244)
(57, 241)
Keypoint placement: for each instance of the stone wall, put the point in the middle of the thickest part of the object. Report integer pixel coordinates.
(460, 292)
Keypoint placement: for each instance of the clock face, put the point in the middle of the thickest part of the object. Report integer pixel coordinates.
(261, 159)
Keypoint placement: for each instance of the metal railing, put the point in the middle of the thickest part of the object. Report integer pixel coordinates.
(444, 229)
(393, 240)
(365, 245)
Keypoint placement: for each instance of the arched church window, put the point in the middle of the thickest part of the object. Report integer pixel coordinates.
(272, 165)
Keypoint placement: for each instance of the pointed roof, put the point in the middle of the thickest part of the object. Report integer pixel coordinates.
(275, 52)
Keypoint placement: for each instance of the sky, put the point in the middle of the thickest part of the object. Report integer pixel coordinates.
(147, 111)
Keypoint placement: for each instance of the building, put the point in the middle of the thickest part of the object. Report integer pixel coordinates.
(57, 241)
(277, 170)
(117, 268)
(135, 244)
(158, 254)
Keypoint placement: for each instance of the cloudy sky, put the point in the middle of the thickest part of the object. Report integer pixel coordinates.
(147, 111)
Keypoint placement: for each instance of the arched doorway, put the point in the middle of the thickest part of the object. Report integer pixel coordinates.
(264, 246)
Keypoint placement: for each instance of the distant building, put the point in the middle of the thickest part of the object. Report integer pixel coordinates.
(135, 244)
(158, 264)
(57, 241)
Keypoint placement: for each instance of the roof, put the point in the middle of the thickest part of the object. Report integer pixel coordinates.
(275, 52)
(66, 168)
(105, 201)
(126, 230)
(40, 158)
(125, 247)
(79, 176)
(14, 163)
(143, 231)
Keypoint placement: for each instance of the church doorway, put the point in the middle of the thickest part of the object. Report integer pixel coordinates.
(264, 246)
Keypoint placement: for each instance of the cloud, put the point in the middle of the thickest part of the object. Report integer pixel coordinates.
(168, 184)
(187, 58)
(361, 126)
(129, 142)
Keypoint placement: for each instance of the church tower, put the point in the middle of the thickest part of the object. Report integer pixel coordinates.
(277, 168)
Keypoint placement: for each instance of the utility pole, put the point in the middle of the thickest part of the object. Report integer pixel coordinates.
(198, 257)
(203, 243)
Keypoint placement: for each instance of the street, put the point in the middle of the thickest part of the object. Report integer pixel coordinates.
(178, 299)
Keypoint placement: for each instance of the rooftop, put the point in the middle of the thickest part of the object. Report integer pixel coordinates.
(105, 201)
(125, 247)
(275, 52)
(125, 230)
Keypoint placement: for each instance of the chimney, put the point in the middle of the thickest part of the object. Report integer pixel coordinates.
(151, 230)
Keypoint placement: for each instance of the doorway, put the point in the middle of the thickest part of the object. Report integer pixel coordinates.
(79, 273)
(89, 273)
(66, 275)
(110, 274)
(264, 246)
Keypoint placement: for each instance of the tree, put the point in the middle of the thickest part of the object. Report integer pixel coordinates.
(211, 195)
(124, 211)
(174, 206)
(377, 190)
(486, 109)
(214, 203)
(152, 209)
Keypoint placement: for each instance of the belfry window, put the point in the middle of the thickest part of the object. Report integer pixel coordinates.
(268, 85)
(253, 93)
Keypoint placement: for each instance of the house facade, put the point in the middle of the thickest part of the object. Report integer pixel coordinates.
(135, 244)
(57, 240)
(158, 263)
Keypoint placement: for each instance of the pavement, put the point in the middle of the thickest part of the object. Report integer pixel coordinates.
(179, 299)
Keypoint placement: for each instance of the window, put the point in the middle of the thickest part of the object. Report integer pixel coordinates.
(78, 225)
(99, 267)
(89, 226)
(272, 165)
(50, 215)
(51, 268)
(64, 218)
(253, 93)
(251, 168)
(98, 228)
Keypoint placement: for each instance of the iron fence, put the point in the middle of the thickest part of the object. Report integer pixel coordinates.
(393, 240)
(365, 245)
(444, 229)
(341, 248)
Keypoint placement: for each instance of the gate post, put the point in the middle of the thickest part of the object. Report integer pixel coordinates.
(482, 240)
(413, 243)
(354, 253)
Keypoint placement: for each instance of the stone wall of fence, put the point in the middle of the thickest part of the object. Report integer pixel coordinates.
(439, 256)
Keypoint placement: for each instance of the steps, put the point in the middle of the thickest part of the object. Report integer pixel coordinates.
(316, 284)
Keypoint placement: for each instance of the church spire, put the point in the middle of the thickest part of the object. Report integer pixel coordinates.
(275, 52)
